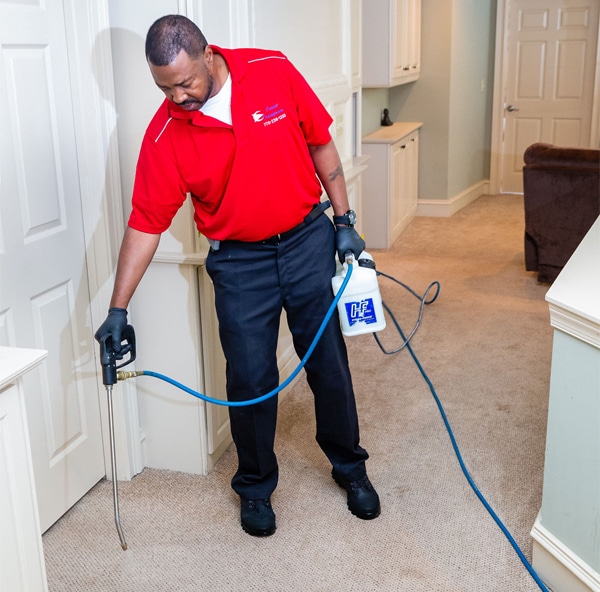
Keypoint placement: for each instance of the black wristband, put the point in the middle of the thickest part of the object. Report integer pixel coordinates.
(348, 219)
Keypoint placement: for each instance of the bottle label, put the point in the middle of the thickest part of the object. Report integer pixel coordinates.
(362, 311)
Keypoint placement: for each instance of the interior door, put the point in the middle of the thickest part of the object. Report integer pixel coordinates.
(551, 48)
(44, 295)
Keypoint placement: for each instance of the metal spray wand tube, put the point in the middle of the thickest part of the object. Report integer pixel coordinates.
(108, 360)
(113, 461)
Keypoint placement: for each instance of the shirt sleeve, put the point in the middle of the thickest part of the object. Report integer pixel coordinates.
(158, 190)
(315, 120)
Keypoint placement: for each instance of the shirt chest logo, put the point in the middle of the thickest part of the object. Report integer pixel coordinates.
(270, 115)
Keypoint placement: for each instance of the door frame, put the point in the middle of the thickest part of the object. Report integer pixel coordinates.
(95, 117)
(500, 76)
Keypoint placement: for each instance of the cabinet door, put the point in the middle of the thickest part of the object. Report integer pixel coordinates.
(21, 556)
(413, 168)
(404, 181)
(398, 175)
(407, 183)
(413, 51)
(391, 42)
(376, 195)
(407, 62)
(400, 46)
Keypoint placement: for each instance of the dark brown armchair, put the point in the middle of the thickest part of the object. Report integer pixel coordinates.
(561, 189)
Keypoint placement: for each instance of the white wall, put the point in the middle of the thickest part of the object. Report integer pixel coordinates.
(471, 92)
(456, 55)
(136, 95)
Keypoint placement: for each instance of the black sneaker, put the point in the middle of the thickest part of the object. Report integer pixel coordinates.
(258, 518)
(363, 500)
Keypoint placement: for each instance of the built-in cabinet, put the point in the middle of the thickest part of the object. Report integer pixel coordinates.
(22, 566)
(391, 32)
(565, 534)
(389, 185)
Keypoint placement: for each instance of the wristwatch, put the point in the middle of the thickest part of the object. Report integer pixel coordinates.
(349, 218)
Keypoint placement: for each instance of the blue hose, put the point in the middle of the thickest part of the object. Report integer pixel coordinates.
(406, 344)
(466, 473)
(285, 383)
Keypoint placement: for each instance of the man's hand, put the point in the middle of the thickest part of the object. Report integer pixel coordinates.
(347, 239)
(112, 328)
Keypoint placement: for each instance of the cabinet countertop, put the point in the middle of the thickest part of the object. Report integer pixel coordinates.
(574, 297)
(392, 133)
(15, 361)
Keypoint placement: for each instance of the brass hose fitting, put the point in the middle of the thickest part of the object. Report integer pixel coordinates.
(124, 375)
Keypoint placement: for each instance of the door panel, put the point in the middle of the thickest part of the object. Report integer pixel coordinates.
(44, 295)
(549, 86)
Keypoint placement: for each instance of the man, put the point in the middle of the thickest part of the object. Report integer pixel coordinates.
(242, 132)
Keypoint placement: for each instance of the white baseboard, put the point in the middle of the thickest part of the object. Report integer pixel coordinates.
(558, 566)
(444, 208)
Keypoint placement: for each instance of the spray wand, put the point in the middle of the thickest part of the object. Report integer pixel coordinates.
(111, 373)
(108, 359)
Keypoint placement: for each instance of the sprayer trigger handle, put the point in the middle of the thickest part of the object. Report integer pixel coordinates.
(127, 346)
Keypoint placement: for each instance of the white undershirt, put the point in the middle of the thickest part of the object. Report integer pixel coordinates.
(219, 106)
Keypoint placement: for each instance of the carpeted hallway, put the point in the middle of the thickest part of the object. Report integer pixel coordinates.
(486, 346)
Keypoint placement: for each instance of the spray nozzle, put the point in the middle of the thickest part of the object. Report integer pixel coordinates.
(109, 357)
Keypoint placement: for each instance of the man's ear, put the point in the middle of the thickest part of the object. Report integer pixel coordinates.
(208, 55)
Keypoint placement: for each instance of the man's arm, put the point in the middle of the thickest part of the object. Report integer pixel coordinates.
(329, 170)
(331, 174)
(135, 255)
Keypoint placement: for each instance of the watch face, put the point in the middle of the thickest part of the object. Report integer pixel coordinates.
(351, 217)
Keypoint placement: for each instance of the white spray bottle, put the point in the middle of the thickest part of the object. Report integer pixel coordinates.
(360, 308)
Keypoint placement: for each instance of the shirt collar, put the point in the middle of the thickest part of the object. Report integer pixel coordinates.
(237, 68)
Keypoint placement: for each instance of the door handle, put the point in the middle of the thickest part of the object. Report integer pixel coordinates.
(511, 108)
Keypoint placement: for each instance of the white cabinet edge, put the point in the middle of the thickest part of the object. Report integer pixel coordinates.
(574, 297)
(16, 361)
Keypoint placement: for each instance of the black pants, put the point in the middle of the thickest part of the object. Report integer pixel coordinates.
(253, 282)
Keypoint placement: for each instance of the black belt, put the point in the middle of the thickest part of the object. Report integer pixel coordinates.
(317, 210)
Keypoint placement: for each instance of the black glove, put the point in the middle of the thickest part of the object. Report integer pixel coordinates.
(347, 239)
(112, 328)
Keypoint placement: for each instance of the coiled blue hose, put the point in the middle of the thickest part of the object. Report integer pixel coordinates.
(406, 343)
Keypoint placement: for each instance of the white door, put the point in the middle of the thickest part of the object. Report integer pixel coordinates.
(44, 296)
(550, 53)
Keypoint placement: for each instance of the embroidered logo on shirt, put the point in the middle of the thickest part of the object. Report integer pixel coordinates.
(272, 114)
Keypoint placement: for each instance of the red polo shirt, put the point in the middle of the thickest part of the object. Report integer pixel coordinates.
(248, 181)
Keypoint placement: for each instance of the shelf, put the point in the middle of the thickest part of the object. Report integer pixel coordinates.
(392, 133)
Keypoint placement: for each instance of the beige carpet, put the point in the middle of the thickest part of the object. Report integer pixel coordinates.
(486, 345)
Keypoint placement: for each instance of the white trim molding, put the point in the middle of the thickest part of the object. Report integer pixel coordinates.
(573, 299)
(558, 566)
(197, 259)
(576, 325)
(442, 208)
